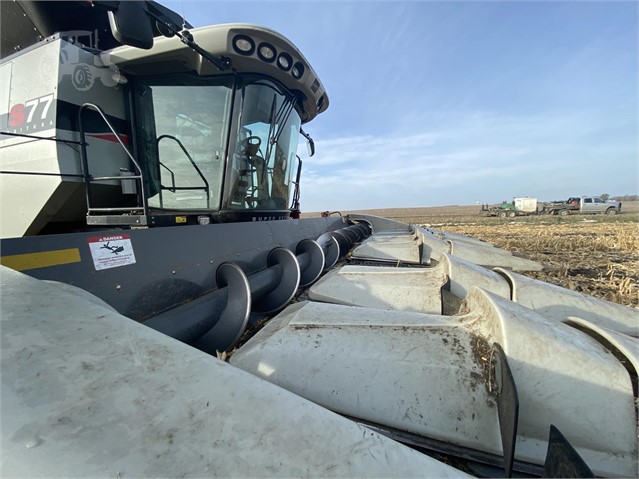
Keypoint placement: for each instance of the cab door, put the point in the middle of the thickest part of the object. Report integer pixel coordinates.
(598, 205)
(587, 205)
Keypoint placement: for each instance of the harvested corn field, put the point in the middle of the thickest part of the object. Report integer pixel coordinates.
(599, 259)
(593, 254)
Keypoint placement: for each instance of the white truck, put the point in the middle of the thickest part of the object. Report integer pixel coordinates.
(583, 205)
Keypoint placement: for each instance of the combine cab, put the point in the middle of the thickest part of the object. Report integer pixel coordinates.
(185, 133)
(164, 312)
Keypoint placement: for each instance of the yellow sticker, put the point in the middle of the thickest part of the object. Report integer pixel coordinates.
(180, 219)
(24, 262)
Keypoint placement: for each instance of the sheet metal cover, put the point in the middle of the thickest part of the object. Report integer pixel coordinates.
(389, 367)
(406, 289)
(88, 392)
(560, 303)
(401, 247)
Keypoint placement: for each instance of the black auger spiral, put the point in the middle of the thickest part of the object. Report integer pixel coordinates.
(215, 321)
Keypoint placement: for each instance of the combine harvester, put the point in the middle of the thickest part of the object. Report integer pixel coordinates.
(150, 231)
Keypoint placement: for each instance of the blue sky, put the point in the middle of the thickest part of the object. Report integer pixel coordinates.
(440, 103)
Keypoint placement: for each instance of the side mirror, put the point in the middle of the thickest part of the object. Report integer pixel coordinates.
(310, 144)
(310, 147)
(131, 25)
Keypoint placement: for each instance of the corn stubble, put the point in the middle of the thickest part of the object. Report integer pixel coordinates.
(599, 259)
(596, 255)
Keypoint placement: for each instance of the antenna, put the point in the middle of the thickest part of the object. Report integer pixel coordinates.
(183, 16)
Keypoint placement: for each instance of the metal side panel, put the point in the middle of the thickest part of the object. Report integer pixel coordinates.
(410, 371)
(428, 375)
(159, 267)
(490, 256)
(80, 293)
(38, 156)
(88, 393)
(627, 345)
(464, 275)
(407, 289)
(433, 246)
(445, 235)
(565, 378)
(558, 303)
(470, 249)
(379, 223)
(399, 247)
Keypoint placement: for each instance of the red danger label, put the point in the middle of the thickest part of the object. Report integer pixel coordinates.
(111, 251)
(95, 239)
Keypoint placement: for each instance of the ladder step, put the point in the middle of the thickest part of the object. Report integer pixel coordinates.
(118, 220)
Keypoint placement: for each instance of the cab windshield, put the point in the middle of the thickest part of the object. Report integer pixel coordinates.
(265, 147)
(217, 143)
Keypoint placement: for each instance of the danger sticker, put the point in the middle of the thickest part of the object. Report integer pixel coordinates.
(111, 251)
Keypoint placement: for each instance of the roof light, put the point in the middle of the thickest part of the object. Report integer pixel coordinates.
(244, 45)
(297, 71)
(266, 52)
(284, 61)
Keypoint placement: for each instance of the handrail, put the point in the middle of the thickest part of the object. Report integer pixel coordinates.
(172, 188)
(161, 186)
(85, 163)
(199, 172)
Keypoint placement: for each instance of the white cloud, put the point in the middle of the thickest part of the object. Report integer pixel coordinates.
(486, 157)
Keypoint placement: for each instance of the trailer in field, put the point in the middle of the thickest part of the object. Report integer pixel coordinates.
(517, 207)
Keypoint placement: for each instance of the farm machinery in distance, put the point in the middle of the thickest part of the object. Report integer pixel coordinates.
(574, 205)
(584, 205)
(517, 207)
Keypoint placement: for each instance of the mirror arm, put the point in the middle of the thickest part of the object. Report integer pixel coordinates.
(222, 63)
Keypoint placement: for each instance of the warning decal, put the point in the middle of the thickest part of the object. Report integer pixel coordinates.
(111, 251)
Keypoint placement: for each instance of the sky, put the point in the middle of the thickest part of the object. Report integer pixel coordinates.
(457, 102)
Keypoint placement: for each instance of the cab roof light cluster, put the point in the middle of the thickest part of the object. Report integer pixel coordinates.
(284, 61)
(297, 71)
(266, 52)
(245, 45)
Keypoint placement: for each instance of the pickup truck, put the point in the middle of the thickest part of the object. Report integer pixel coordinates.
(583, 205)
